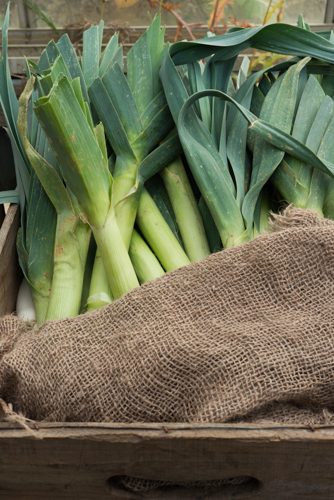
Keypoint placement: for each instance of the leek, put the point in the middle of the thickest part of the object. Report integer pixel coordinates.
(85, 171)
(187, 214)
(137, 121)
(146, 264)
(71, 235)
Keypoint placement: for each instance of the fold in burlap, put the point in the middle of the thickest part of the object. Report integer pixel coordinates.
(246, 333)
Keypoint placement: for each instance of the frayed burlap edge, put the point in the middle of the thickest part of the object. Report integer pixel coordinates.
(7, 414)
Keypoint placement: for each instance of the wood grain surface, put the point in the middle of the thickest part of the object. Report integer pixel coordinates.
(85, 461)
(9, 271)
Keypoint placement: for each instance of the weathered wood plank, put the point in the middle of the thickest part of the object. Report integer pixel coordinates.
(84, 461)
(9, 274)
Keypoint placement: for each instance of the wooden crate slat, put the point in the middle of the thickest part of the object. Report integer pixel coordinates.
(9, 273)
(83, 461)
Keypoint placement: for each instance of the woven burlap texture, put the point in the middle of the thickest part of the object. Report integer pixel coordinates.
(246, 332)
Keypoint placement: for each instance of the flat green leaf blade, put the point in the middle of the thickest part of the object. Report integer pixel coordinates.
(22, 171)
(143, 64)
(210, 177)
(174, 88)
(120, 94)
(7, 91)
(322, 187)
(158, 102)
(309, 104)
(47, 174)
(48, 56)
(92, 41)
(320, 136)
(59, 68)
(274, 136)
(278, 108)
(221, 74)
(155, 131)
(160, 157)
(109, 117)
(113, 53)
(237, 150)
(66, 49)
(210, 227)
(293, 177)
(197, 84)
(177, 95)
(290, 145)
(41, 226)
(278, 38)
(80, 158)
(45, 84)
(243, 71)
(159, 194)
(43, 63)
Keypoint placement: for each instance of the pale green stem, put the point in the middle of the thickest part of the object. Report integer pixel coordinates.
(158, 234)
(186, 211)
(261, 221)
(264, 217)
(234, 240)
(120, 273)
(211, 230)
(71, 247)
(99, 290)
(329, 201)
(124, 198)
(317, 193)
(144, 261)
(41, 304)
(314, 206)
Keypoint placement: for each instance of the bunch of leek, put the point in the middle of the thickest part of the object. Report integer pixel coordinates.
(99, 161)
(38, 218)
(83, 166)
(94, 188)
(235, 134)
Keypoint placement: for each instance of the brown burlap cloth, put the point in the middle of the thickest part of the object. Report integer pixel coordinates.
(246, 334)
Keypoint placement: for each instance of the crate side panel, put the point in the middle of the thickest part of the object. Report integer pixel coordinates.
(9, 270)
(86, 463)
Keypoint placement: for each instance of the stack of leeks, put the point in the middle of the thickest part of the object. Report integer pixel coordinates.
(108, 203)
(86, 138)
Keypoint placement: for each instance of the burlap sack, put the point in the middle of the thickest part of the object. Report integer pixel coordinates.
(247, 333)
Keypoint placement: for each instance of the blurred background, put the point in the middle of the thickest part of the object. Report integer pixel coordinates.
(34, 22)
(62, 13)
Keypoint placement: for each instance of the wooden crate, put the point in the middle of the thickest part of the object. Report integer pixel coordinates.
(84, 461)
